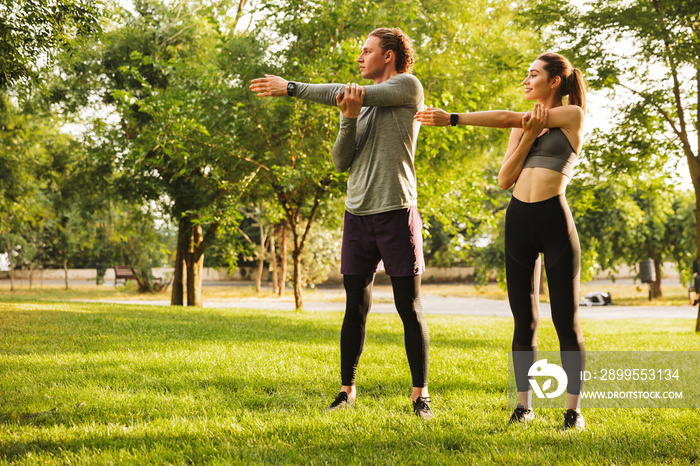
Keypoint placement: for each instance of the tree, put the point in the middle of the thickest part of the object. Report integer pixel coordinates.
(628, 220)
(32, 31)
(657, 68)
(24, 160)
(176, 109)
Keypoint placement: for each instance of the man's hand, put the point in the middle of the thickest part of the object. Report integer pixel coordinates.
(536, 120)
(350, 102)
(433, 117)
(269, 86)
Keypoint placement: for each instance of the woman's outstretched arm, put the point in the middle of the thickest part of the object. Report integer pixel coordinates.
(565, 116)
(493, 118)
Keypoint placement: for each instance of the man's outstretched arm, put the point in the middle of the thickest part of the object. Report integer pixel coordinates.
(404, 90)
(276, 86)
(269, 86)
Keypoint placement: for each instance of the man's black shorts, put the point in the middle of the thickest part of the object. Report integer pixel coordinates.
(393, 238)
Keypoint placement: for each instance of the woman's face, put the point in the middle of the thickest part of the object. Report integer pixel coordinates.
(537, 83)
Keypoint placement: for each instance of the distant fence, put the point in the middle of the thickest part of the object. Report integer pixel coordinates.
(209, 274)
(431, 274)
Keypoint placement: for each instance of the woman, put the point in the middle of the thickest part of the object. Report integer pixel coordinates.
(542, 150)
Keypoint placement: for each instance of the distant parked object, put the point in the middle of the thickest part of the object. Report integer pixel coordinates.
(596, 298)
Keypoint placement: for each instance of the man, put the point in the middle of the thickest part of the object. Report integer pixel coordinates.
(377, 144)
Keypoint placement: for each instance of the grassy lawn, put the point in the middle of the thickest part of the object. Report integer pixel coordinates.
(86, 383)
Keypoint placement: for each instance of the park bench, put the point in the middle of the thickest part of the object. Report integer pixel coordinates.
(123, 272)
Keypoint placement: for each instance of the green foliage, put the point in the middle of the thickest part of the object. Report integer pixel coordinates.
(632, 219)
(33, 31)
(143, 246)
(38, 182)
(321, 256)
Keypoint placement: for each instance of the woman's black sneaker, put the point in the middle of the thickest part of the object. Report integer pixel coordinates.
(521, 415)
(573, 420)
(422, 407)
(341, 401)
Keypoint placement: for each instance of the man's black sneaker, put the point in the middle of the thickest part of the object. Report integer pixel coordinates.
(521, 415)
(573, 420)
(341, 401)
(422, 407)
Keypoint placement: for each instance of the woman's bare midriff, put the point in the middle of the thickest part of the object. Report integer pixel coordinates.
(539, 184)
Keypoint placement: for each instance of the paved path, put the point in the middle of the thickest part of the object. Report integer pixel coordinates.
(433, 304)
(332, 299)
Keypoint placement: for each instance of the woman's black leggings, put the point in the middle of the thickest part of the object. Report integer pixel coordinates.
(358, 289)
(544, 227)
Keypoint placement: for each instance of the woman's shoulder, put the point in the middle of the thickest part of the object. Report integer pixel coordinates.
(573, 111)
(568, 117)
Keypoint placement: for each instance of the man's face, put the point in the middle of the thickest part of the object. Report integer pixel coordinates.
(372, 60)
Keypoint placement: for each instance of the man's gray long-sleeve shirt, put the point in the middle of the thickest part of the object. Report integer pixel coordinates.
(378, 148)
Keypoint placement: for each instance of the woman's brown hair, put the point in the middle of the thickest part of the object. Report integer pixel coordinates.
(571, 78)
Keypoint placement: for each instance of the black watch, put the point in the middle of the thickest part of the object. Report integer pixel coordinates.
(454, 118)
(291, 89)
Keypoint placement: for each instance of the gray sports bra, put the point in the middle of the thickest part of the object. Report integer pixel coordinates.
(552, 150)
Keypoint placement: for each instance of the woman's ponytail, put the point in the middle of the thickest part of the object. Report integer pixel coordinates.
(576, 90)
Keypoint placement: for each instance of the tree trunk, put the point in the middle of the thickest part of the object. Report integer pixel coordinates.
(283, 260)
(9, 258)
(65, 271)
(31, 276)
(261, 257)
(296, 258)
(177, 295)
(697, 223)
(195, 264)
(273, 263)
(258, 276)
(697, 256)
(656, 286)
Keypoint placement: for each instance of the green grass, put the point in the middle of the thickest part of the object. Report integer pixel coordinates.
(85, 383)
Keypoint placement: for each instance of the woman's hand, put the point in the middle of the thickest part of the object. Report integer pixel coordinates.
(433, 117)
(269, 86)
(350, 101)
(536, 120)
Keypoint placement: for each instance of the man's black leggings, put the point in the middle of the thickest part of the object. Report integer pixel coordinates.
(358, 289)
(544, 227)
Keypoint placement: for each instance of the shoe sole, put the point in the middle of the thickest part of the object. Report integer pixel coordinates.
(343, 406)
